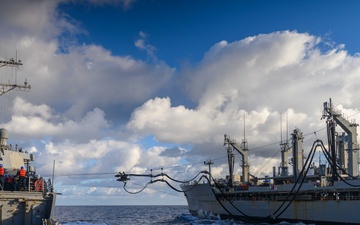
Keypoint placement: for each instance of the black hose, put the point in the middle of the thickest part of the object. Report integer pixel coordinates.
(163, 180)
(273, 215)
(137, 192)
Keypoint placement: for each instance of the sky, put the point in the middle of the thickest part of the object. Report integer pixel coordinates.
(140, 85)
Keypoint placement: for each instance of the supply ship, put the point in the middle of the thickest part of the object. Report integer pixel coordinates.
(29, 202)
(326, 193)
(299, 190)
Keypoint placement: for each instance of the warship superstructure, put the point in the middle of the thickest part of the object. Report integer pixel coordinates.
(31, 202)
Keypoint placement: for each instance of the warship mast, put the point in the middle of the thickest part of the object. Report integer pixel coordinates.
(5, 88)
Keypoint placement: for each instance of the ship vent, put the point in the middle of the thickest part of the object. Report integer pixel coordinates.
(3, 136)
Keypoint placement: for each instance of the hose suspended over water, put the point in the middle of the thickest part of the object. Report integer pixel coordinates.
(290, 197)
(276, 214)
(125, 177)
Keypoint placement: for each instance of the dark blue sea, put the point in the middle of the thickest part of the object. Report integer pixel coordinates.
(115, 215)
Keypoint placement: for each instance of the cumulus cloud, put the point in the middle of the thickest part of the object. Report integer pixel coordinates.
(157, 116)
(242, 84)
(85, 153)
(73, 79)
(40, 121)
(74, 89)
(257, 78)
(25, 18)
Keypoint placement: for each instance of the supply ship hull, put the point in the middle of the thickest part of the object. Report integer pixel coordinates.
(323, 192)
(339, 206)
(316, 193)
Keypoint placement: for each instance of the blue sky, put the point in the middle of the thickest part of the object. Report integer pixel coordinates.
(182, 31)
(122, 85)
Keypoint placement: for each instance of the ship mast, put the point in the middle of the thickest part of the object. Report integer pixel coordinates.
(350, 128)
(297, 141)
(209, 163)
(5, 88)
(284, 146)
(244, 152)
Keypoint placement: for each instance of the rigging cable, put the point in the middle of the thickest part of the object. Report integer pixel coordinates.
(329, 159)
(273, 215)
(124, 177)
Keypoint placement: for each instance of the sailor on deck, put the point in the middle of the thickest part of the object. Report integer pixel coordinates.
(21, 182)
(2, 173)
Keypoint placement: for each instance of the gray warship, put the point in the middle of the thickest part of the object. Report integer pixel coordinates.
(299, 190)
(32, 202)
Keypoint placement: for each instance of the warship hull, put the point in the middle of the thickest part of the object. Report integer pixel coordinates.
(316, 205)
(26, 208)
(26, 198)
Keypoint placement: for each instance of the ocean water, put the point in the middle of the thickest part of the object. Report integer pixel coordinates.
(116, 215)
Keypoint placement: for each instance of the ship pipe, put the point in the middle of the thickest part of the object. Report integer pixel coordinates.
(163, 180)
(333, 151)
(327, 156)
(267, 218)
(252, 219)
(330, 160)
(342, 179)
(232, 215)
(312, 153)
(124, 176)
(302, 178)
(136, 192)
(175, 189)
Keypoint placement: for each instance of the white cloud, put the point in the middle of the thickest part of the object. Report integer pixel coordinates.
(83, 146)
(66, 118)
(69, 81)
(141, 44)
(83, 76)
(28, 18)
(158, 117)
(260, 78)
(41, 120)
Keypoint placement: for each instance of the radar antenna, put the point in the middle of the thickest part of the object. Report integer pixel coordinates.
(5, 88)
